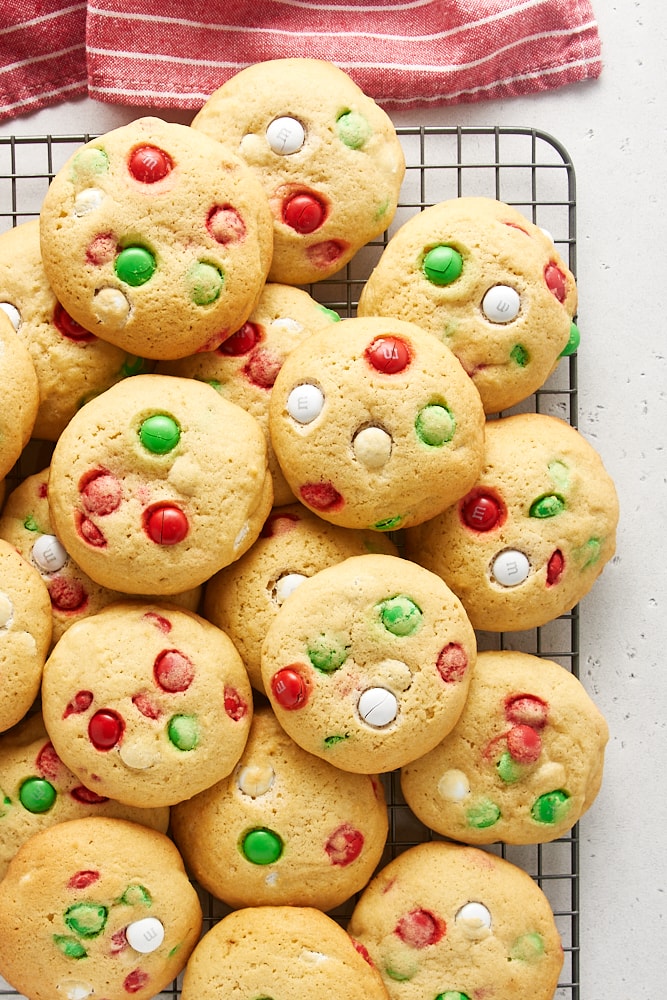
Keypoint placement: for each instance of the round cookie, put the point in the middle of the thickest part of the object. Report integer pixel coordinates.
(157, 484)
(279, 951)
(524, 761)
(96, 907)
(244, 598)
(488, 283)
(365, 654)
(20, 395)
(146, 703)
(534, 533)
(26, 523)
(37, 791)
(327, 156)
(447, 922)
(71, 364)
(377, 427)
(244, 368)
(25, 634)
(156, 238)
(285, 828)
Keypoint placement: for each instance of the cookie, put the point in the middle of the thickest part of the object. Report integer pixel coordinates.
(20, 395)
(157, 484)
(524, 761)
(531, 537)
(37, 791)
(488, 283)
(96, 907)
(244, 368)
(286, 828)
(71, 364)
(327, 156)
(146, 703)
(447, 921)
(26, 523)
(379, 427)
(25, 634)
(244, 598)
(274, 951)
(156, 238)
(364, 655)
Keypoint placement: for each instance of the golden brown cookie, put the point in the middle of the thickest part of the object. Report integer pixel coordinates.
(379, 427)
(523, 763)
(157, 484)
(285, 828)
(532, 536)
(367, 663)
(278, 951)
(488, 283)
(20, 395)
(327, 156)
(146, 703)
(156, 238)
(96, 907)
(447, 921)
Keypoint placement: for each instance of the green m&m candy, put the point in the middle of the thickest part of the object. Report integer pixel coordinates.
(159, 434)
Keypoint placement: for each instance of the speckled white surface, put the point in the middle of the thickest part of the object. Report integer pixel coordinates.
(615, 130)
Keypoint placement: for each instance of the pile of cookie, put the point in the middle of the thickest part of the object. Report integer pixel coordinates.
(248, 582)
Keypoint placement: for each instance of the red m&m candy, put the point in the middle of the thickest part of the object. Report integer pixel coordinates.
(482, 511)
(524, 743)
(69, 327)
(555, 567)
(304, 212)
(105, 729)
(556, 282)
(149, 164)
(166, 525)
(289, 688)
(241, 342)
(389, 355)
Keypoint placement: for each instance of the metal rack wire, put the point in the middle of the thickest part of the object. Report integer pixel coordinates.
(523, 167)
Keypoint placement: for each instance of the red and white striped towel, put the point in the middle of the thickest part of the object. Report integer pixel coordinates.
(404, 53)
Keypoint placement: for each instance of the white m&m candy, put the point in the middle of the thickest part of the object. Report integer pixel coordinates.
(285, 135)
(378, 707)
(305, 403)
(48, 554)
(510, 568)
(145, 935)
(501, 304)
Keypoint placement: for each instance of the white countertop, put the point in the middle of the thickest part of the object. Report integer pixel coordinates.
(615, 130)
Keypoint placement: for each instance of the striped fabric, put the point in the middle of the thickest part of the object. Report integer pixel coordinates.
(404, 53)
(42, 54)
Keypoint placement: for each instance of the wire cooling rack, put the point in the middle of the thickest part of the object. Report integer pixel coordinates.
(525, 168)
